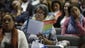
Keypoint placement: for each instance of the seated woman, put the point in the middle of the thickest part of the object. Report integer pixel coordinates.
(66, 13)
(56, 8)
(75, 24)
(10, 37)
(40, 14)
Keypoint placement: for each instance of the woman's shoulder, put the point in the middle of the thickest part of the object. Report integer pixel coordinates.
(84, 20)
(67, 19)
(20, 33)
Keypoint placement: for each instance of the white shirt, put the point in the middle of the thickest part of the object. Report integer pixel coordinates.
(24, 6)
(22, 41)
(83, 9)
(6, 39)
(63, 20)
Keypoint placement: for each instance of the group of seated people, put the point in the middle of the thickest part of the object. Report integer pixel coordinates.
(68, 17)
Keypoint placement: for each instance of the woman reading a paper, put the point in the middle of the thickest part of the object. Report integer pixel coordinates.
(40, 14)
(48, 34)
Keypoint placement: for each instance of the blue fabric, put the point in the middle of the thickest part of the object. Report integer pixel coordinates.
(72, 28)
(23, 17)
(25, 27)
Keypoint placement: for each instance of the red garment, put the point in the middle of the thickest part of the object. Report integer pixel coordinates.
(58, 14)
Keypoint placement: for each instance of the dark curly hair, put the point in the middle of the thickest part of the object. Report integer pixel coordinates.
(53, 2)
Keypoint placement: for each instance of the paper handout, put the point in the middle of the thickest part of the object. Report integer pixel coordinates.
(35, 27)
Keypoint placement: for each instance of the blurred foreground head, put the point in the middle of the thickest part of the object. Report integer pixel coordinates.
(8, 22)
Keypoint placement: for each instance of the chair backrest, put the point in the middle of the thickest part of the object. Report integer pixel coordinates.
(58, 31)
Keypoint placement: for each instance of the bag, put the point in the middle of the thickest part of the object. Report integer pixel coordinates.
(36, 44)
